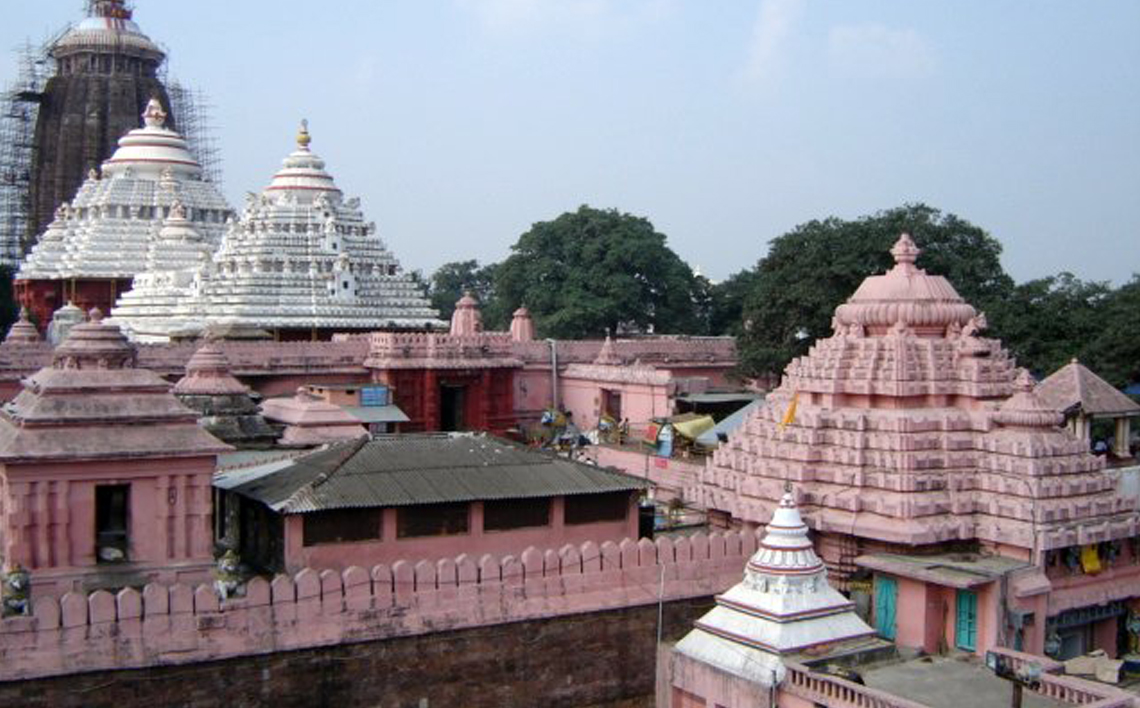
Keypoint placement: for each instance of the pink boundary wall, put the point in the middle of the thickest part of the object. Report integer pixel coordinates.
(180, 624)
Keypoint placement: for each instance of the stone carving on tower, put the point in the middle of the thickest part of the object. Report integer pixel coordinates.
(301, 262)
(148, 210)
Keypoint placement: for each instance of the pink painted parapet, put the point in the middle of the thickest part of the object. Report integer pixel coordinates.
(180, 624)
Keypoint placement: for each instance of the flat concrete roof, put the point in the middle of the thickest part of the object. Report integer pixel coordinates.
(955, 570)
(949, 682)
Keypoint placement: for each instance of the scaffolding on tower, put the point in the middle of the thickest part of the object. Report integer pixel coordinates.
(19, 108)
(194, 112)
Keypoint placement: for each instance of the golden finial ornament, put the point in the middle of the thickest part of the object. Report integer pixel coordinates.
(303, 138)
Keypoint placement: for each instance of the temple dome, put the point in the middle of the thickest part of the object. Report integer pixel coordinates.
(1026, 409)
(109, 27)
(302, 175)
(23, 331)
(150, 150)
(905, 295)
(94, 344)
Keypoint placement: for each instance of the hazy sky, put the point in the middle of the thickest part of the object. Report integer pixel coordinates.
(461, 122)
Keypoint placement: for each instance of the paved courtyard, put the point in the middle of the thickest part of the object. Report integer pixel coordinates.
(941, 682)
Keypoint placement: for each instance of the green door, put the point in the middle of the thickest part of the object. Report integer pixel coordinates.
(886, 599)
(966, 623)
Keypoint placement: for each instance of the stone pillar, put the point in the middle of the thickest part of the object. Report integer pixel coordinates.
(1123, 433)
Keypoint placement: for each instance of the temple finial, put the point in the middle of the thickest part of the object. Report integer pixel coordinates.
(154, 116)
(303, 137)
(904, 250)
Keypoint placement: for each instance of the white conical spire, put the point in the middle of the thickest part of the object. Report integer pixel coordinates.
(784, 605)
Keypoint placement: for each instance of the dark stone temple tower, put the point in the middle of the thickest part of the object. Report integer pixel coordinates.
(106, 71)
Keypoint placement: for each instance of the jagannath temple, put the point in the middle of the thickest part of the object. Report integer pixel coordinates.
(106, 71)
(300, 263)
(148, 208)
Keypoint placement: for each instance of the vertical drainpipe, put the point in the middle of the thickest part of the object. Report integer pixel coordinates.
(553, 373)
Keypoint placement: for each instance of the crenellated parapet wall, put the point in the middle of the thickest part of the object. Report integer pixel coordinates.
(430, 350)
(179, 624)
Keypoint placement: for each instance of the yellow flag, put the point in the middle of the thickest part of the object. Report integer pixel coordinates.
(1090, 559)
(790, 414)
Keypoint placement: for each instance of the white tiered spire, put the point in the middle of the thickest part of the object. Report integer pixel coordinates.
(784, 605)
(108, 229)
(301, 258)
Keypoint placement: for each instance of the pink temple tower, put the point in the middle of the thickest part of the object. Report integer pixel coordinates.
(909, 433)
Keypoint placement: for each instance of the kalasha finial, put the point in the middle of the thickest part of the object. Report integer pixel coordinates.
(154, 116)
(303, 137)
(904, 249)
(1024, 382)
(95, 315)
(113, 9)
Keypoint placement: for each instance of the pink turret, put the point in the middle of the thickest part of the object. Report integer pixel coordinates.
(522, 326)
(23, 331)
(466, 321)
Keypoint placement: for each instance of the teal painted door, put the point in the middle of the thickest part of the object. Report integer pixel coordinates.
(966, 622)
(886, 600)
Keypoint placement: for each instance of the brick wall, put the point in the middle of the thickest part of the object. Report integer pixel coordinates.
(595, 660)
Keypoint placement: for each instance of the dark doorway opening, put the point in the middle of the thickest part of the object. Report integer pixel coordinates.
(112, 514)
(451, 402)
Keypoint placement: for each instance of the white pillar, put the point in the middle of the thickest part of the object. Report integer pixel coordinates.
(1123, 433)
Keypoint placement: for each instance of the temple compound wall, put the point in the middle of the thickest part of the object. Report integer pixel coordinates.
(181, 624)
(521, 664)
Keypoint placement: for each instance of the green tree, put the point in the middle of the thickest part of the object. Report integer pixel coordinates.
(726, 306)
(1046, 322)
(592, 270)
(1114, 351)
(815, 267)
(451, 280)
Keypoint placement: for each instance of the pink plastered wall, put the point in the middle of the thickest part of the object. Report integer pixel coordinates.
(475, 542)
(180, 624)
(671, 476)
(49, 522)
(926, 616)
(639, 402)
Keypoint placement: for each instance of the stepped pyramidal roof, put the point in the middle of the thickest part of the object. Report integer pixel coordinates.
(783, 606)
(93, 402)
(301, 258)
(908, 426)
(113, 227)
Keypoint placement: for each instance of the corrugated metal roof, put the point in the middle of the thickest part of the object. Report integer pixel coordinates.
(426, 469)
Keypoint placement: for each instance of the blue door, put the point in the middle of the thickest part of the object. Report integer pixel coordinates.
(886, 599)
(966, 622)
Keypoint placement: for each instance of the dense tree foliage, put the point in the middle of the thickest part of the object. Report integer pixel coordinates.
(1046, 322)
(453, 279)
(809, 271)
(592, 270)
(1114, 351)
